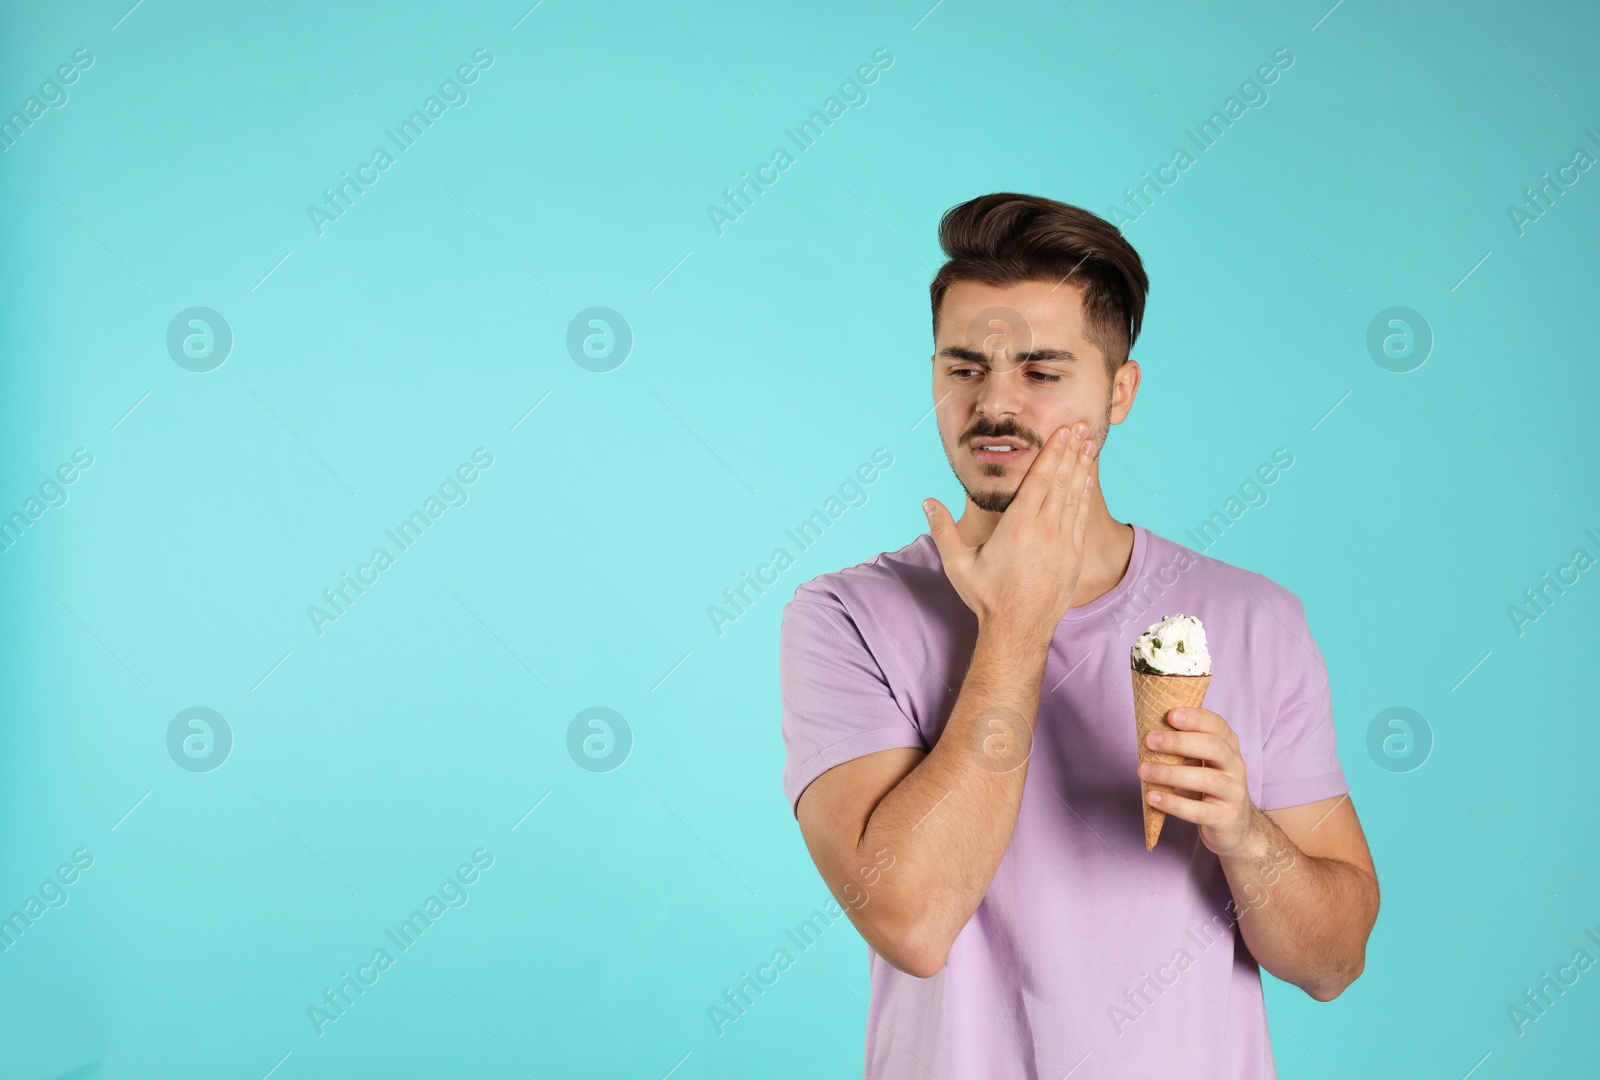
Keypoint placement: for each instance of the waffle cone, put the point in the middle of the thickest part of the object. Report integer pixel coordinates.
(1153, 697)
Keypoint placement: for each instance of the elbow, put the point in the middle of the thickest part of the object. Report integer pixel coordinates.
(911, 949)
(1324, 991)
(1336, 979)
(1335, 983)
(927, 961)
(924, 963)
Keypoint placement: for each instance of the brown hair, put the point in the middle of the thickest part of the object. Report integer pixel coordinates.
(1005, 238)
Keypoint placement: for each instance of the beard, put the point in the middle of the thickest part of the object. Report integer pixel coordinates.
(996, 500)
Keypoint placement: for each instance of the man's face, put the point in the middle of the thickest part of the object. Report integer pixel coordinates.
(1011, 365)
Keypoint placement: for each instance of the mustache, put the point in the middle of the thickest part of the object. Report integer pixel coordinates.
(1000, 431)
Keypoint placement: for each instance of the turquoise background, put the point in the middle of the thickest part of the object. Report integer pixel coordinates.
(767, 362)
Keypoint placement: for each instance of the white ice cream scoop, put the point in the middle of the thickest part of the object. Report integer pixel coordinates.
(1174, 646)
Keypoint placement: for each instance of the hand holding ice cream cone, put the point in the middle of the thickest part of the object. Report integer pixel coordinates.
(1182, 743)
(1171, 668)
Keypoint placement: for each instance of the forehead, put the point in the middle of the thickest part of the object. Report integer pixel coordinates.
(1053, 314)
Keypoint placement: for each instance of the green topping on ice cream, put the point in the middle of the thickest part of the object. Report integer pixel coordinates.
(1174, 646)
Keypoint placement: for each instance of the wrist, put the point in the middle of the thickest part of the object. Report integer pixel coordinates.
(1016, 632)
(1258, 843)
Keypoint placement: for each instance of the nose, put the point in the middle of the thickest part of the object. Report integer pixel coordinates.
(1002, 392)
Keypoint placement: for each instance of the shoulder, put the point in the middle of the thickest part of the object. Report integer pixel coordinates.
(881, 581)
(867, 614)
(1170, 559)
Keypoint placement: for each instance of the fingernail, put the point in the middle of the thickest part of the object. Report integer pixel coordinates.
(1179, 716)
(1155, 796)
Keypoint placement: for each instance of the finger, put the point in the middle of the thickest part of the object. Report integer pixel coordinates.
(1204, 745)
(1035, 486)
(1077, 489)
(1080, 523)
(1191, 778)
(1201, 813)
(1193, 719)
(1062, 486)
(953, 551)
(1166, 759)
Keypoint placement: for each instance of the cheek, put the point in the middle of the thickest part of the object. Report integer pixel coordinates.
(953, 414)
(951, 397)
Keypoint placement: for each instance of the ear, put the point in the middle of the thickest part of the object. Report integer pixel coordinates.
(1124, 388)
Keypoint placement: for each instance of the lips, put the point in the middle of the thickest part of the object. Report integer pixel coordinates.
(1014, 450)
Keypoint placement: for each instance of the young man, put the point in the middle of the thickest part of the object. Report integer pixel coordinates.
(959, 723)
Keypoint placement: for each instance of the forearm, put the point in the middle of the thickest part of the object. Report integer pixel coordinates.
(1304, 919)
(948, 822)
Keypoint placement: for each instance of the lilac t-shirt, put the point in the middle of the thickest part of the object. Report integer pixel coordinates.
(1088, 955)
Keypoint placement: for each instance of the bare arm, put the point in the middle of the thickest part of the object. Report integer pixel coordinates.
(1303, 883)
(911, 841)
(1307, 894)
(913, 877)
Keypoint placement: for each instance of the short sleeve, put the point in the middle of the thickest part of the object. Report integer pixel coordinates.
(837, 702)
(1300, 758)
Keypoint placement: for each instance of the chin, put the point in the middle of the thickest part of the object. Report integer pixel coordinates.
(993, 501)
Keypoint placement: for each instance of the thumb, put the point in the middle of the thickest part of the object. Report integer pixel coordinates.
(942, 527)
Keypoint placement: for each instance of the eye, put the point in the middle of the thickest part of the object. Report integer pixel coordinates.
(1040, 376)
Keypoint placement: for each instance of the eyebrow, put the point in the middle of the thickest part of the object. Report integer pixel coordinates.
(973, 356)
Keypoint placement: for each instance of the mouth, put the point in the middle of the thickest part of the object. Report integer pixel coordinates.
(998, 451)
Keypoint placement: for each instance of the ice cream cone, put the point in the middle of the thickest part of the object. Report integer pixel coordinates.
(1153, 697)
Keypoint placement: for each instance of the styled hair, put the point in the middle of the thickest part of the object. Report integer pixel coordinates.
(1006, 238)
